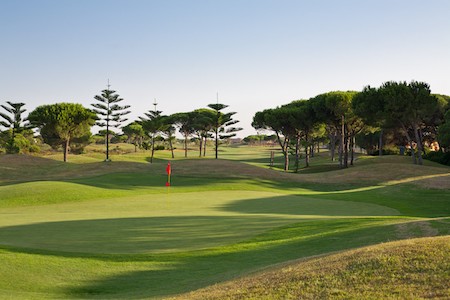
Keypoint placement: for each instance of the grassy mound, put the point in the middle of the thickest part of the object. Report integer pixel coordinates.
(90, 229)
(411, 269)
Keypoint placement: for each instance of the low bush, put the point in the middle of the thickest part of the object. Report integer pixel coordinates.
(439, 157)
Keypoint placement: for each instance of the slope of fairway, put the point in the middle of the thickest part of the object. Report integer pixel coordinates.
(95, 230)
(412, 269)
(31, 274)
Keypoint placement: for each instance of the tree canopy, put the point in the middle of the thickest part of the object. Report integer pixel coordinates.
(59, 123)
(135, 134)
(399, 114)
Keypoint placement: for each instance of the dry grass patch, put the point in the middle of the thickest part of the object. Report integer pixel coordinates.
(437, 182)
(415, 229)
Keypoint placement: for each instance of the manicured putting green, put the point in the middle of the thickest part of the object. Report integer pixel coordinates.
(165, 222)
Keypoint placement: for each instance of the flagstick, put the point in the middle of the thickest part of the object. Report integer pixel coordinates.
(169, 172)
(168, 194)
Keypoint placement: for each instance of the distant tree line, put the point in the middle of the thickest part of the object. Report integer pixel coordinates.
(401, 114)
(406, 113)
(260, 139)
(68, 126)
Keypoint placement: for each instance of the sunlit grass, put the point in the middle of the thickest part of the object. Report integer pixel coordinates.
(413, 269)
(94, 229)
(163, 222)
(68, 274)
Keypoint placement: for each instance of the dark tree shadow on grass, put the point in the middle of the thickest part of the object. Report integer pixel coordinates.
(301, 205)
(137, 235)
(200, 269)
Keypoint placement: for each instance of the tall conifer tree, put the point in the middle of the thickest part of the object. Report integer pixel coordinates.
(110, 113)
(12, 122)
(221, 124)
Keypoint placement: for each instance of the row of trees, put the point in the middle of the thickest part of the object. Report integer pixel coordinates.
(408, 109)
(61, 124)
(16, 136)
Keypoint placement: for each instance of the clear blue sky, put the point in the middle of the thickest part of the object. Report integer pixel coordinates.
(256, 54)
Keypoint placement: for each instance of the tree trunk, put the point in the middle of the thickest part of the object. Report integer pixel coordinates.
(171, 147)
(279, 140)
(201, 146)
(11, 141)
(312, 150)
(306, 150)
(66, 150)
(306, 157)
(421, 140)
(419, 144)
(413, 155)
(333, 146)
(408, 137)
(352, 150)
(217, 143)
(380, 143)
(185, 145)
(204, 146)
(297, 150)
(107, 142)
(153, 148)
(341, 144)
(286, 154)
(284, 148)
(345, 149)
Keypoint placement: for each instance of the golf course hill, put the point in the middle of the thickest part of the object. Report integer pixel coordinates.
(407, 269)
(231, 228)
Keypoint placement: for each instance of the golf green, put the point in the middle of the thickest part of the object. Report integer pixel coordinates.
(165, 222)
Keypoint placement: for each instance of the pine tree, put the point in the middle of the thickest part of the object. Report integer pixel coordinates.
(221, 124)
(109, 113)
(153, 124)
(12, 122)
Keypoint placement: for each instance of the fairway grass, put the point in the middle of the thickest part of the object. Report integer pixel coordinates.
(90, 229)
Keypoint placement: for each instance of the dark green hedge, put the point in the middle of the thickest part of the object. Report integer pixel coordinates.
(439, 157)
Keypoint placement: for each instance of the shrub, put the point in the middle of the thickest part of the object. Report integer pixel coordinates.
(34, 149)
(439, 157)
(387, 150)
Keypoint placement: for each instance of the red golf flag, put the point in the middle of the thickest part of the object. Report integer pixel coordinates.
(169, 171)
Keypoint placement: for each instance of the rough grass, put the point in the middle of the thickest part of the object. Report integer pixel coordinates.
(412, 269)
